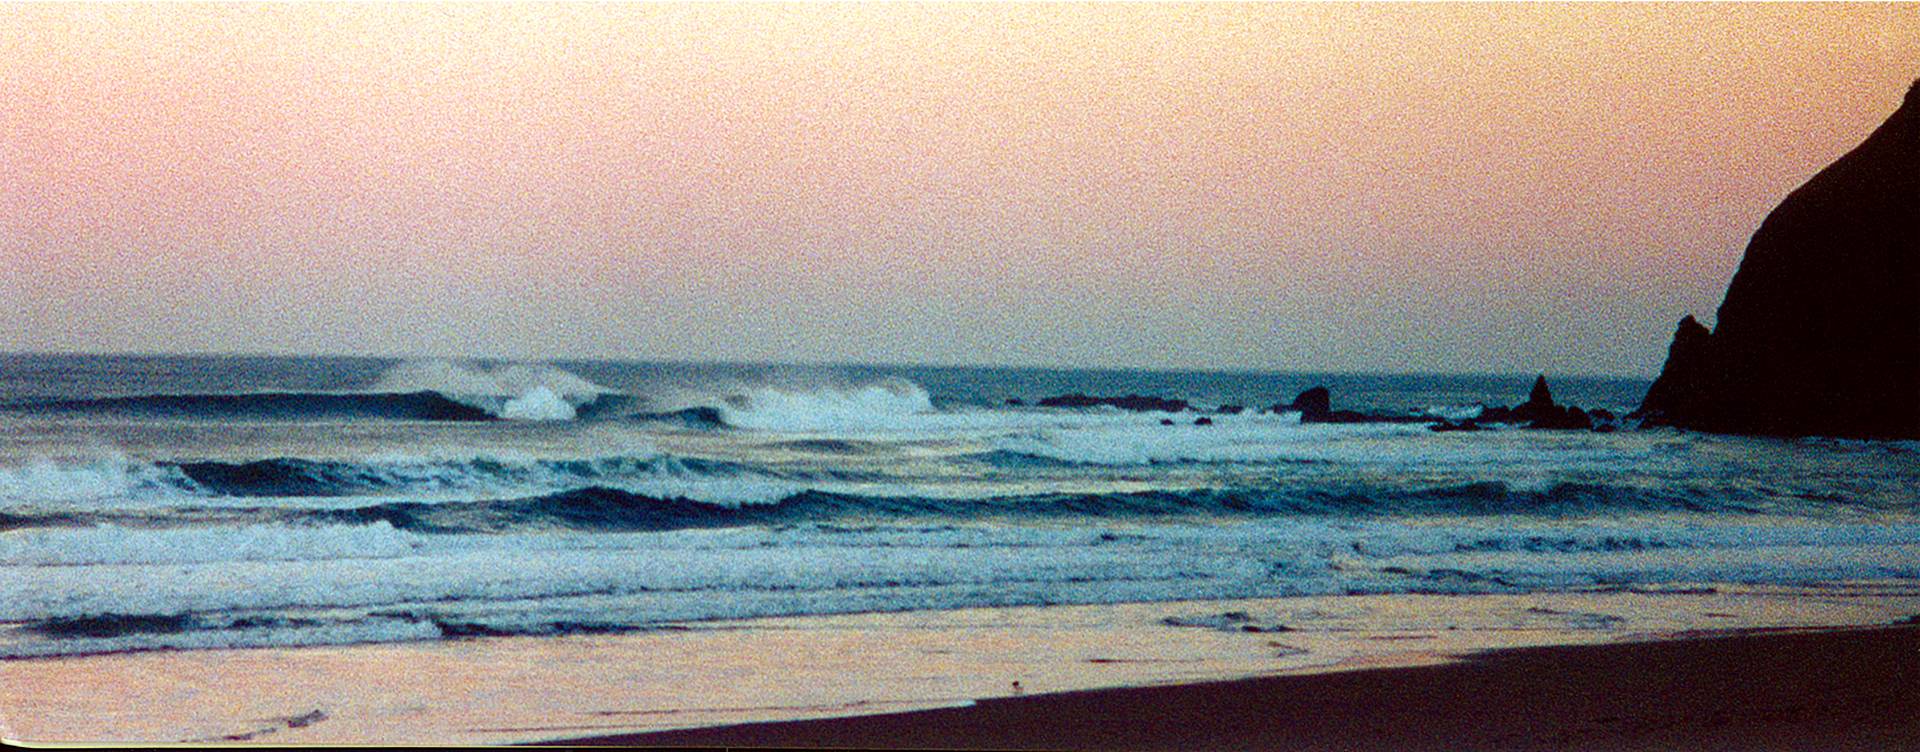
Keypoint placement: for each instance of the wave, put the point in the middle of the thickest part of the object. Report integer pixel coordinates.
(276, 405)
(1255, 438)
(501, 380)
(717, 480)
(631, 494)
(539, 403)
(887, 403)
(162, 590)
(438, 391)
(117, 478)
(511, 391)
(692, 417)
(110, 488)
(608, 509)
(111, 544)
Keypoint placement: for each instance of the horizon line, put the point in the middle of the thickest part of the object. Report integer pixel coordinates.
(818, 364)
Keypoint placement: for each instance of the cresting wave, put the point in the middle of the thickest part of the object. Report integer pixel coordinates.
(439, 391)
(129, 485)
(881, 404)
(603, 509)
(615, 510)
(442, 391)
(290, 476)
(665, 507)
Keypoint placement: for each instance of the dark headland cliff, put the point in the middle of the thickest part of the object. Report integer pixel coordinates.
(1819, 334)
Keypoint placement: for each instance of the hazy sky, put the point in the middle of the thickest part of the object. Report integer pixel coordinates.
(1506, 187)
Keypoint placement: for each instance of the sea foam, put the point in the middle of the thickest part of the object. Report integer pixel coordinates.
(514, 391)
(884, 404)
(88, 482)
(537, 583)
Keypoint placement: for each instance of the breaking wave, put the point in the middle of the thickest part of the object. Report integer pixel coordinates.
(607, 509)
(438, 391)
(101, 488)
(229, 587)
(887, 403)
(512, 391)
(669, 494)
(44, 481)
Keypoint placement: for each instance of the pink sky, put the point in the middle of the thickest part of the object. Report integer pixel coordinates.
(1505, 187)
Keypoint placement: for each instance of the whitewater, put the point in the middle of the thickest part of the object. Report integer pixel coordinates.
(152, 503)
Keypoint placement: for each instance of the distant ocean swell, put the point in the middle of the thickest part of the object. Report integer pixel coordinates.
(761, 408)
(438, 391)
(419, 406)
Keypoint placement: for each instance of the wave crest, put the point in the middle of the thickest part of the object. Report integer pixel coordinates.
(511, 391)
(887, 403)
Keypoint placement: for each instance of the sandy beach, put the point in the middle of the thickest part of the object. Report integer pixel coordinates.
(1847, 689)
(1314, 672)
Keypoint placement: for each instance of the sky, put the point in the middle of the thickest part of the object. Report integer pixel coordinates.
(1319, 187)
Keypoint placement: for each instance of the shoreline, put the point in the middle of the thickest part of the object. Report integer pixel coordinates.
(1787, 688)
(694, 678)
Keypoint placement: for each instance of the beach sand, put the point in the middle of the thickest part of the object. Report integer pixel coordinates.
(1306, 658)
(1853, 689)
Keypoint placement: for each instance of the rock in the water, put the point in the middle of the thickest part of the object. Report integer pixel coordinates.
(1539, 407)
(1819, 333)
(1203, 421)
(1564, 417)
(1540, 396)
(1314, 405)
(1231, 409)
(1016, 402)
(1539, 411)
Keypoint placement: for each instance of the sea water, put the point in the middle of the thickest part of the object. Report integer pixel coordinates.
(234, 502)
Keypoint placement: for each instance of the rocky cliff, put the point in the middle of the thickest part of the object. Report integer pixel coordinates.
(1819, 333)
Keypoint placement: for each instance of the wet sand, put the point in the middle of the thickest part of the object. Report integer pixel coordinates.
(505, 690)
(1851, 689)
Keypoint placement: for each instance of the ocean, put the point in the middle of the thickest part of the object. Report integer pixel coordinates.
(151, 503)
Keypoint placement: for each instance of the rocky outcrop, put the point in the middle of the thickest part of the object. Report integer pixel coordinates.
(1819, 333)
(1539, 412)
(1315, 405)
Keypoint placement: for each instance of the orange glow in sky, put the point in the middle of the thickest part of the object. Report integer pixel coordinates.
(1487, 187)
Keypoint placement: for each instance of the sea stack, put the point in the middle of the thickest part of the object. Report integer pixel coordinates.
(1819, 334)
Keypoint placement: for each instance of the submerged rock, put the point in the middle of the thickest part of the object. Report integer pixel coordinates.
(1819, 333)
